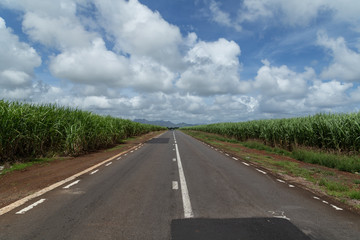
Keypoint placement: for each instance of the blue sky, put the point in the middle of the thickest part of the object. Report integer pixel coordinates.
(199, 61)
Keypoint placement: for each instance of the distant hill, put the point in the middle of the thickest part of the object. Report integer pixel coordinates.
(164, 123)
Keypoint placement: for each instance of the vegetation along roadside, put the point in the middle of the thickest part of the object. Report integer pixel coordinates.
(30, 131)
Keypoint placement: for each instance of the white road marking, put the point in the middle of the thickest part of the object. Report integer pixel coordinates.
(316, 198)
(226, 154)
(245, 163)
(235, 158)
(336, 208)
(174, 159)
(216, 149)
(108, 164)
(125, 154)
(131, 151)
(31, 206)
(118, 158)
(175, 185)
(188, 212)
(93, 172)
(260, 171)
(22, 201)
(279, 180)
(71, 184)
(279, 214)
(325, 202)
(292, 186)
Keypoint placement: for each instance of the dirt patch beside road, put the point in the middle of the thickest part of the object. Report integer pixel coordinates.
(18, 184)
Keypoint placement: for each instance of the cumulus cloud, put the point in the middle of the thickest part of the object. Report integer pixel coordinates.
(345, 63)
(91, 65)
(213, 68)
(139, 31)
(328, 94)
(17, 63)
(96, 65)
(281, 82)
(56, 31)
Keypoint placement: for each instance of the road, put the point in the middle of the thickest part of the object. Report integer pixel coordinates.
(176, 187)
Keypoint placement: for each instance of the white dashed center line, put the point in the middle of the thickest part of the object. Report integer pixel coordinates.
(246, 164)
(108, 164)
(188, 212)
(93, 172)
(175, 185)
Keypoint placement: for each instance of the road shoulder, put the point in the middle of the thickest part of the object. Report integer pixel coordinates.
(19, 184)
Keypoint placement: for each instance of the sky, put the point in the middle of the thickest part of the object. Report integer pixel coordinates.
(193, 61)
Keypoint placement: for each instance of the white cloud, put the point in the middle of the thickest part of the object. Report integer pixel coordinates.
(56, 31)
(281, 82)
(299, 12)
(139, 31)
(92, 65)
(63, 7)
(328, 94)
(345, 63)
(221, 17)
(149, 75)
(252, 10)
(17, 63)
(213, 68)
(98, 66)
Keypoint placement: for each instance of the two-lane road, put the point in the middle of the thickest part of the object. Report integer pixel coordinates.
(175, 187)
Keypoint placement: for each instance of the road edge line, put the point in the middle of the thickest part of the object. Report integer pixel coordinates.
(22, 201)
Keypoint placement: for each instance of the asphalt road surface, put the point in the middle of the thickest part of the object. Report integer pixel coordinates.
(175, 187)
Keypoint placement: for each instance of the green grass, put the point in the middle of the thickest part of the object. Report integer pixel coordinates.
(23, 165)
(340, 162)
(33, 131)
(261, 146)
(333, 186)
(354, 194)
(357, 181)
